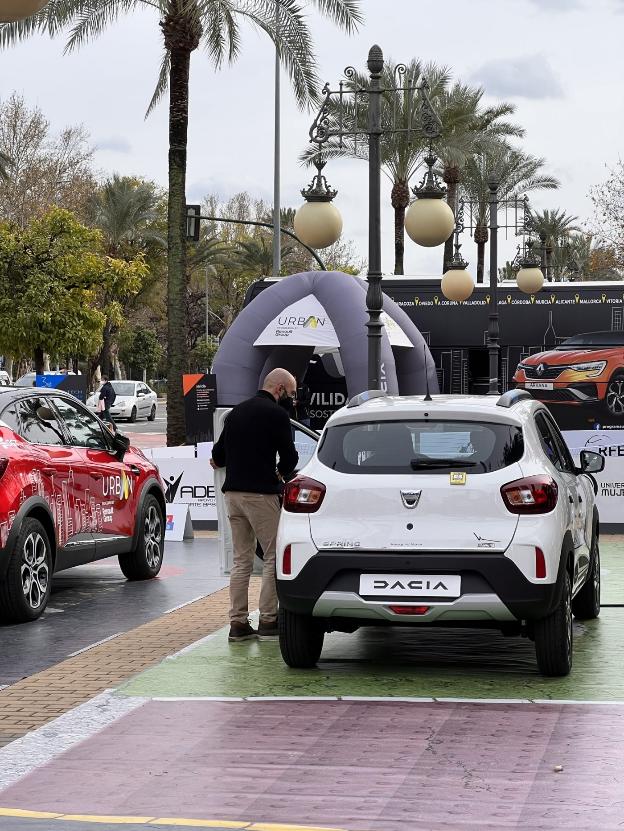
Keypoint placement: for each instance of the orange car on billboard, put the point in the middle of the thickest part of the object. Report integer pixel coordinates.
(584, 369)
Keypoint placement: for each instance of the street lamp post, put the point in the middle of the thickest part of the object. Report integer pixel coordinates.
(493, 323)
(429, 221)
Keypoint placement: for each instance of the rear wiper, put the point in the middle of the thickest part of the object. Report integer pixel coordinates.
(418, 464)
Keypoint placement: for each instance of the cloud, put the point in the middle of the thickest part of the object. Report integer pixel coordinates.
(556, 5)
(115, 144)
(526, 77)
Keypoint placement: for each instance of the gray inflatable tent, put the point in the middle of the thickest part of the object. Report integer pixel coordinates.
(240, 366)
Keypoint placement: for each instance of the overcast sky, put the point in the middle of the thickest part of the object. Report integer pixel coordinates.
(559, 61)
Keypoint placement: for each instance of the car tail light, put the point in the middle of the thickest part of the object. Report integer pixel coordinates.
(533, 495)
(303, 495)
(540, 563)
(287, 561)
(409, 610)
(4, 463)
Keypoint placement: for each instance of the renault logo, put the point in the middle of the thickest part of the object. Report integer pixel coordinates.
(541, 369)
(410, 498)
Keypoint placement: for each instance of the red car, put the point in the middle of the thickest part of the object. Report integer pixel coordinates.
(70, 493)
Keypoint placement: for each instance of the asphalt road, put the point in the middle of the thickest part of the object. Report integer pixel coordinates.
(145, 426)
(95, 602)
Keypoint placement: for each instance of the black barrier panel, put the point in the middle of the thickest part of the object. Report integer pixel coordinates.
(200, 402)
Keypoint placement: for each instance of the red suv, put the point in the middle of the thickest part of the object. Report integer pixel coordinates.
(70, 493)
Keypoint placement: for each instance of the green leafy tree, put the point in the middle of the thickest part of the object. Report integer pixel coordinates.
(187, 25)
(140, 349)
(49, 276)
(202, 355)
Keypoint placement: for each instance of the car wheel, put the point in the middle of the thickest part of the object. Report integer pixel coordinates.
(145, 561)
(614, 398)
(300, 639)
(553, 636)
(25, 590)
(586, 604)
(152, 415)
(133, 415)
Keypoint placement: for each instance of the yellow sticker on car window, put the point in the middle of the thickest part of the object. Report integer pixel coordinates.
(458, 478)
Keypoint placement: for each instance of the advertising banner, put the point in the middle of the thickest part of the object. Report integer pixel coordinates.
(76, 385)
(610, 444)
(178, 526)
(190, 482)
(200, 402)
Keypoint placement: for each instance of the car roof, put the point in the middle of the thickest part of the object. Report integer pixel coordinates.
(9, 394)
(460, 407)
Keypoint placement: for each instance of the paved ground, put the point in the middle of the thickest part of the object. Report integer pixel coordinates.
(407, 751)
(94, 602)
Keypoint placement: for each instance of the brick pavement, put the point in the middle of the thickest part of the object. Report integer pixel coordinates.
(36, 700)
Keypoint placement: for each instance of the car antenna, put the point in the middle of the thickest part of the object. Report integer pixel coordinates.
(428, 395)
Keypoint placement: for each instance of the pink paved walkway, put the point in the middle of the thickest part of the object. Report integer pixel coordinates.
(363, 766)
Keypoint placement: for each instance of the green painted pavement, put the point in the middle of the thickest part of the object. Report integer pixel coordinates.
(429, 663)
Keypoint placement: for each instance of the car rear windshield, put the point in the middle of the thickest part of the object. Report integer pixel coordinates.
(595, 339)
(123, 388)
(421, 447)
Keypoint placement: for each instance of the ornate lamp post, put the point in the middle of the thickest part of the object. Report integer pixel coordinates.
(457, 283)
(12, 10)
(428, 222)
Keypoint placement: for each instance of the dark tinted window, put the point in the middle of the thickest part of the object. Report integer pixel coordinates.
(421, 447)
(554, 443)
(124, 387)
(593, 339)
(85, 430)
(9, 417)
(39, 422)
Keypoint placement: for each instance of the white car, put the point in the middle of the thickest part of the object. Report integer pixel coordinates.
(453, 511)
(134, 400)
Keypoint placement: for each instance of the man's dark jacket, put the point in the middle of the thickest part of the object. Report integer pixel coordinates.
(108, 395)
(256, 431)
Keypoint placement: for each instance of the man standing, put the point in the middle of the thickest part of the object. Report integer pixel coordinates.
(255, 433)
(107, 396)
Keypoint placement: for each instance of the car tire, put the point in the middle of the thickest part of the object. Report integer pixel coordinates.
(152, 415)
(145, 561)
(553, 636)
(300, 638)
(25, 590)
(614, 397)
(133, 415)
(586, 604)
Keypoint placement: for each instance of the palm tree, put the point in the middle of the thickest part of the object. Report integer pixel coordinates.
(553, 228)
(466, 128)
(517, 173)
(186, 25)
(256, 255)
(125, 210)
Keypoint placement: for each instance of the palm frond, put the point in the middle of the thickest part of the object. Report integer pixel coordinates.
(345, 13)
(162, 82)
(94, 17)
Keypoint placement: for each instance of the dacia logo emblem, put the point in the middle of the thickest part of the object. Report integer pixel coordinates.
(410, 498)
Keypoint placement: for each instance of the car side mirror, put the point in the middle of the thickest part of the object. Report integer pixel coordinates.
(591, 462)
(121, 445)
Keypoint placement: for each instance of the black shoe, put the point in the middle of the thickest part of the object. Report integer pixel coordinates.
(268, 629)
(241, 631)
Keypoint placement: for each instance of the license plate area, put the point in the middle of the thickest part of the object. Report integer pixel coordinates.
(539, 385)
(413, 586)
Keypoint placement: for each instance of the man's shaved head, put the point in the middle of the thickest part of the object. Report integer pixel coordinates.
(279, 380)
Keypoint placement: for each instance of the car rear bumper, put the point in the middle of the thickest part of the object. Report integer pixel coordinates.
(492, 587)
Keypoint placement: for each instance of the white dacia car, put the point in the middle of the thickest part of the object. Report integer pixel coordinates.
(454, 510)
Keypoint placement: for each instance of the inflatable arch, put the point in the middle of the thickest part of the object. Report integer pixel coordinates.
(319, 312)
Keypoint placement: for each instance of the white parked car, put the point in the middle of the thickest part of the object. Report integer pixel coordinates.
(134, 400)
(453, 511)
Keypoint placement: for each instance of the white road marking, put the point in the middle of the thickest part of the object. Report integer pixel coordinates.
(93, 645)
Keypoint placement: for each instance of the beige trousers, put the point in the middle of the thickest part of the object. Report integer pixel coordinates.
(253, 516)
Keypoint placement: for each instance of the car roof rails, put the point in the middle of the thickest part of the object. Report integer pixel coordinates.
(363, 397)
(511, 397)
